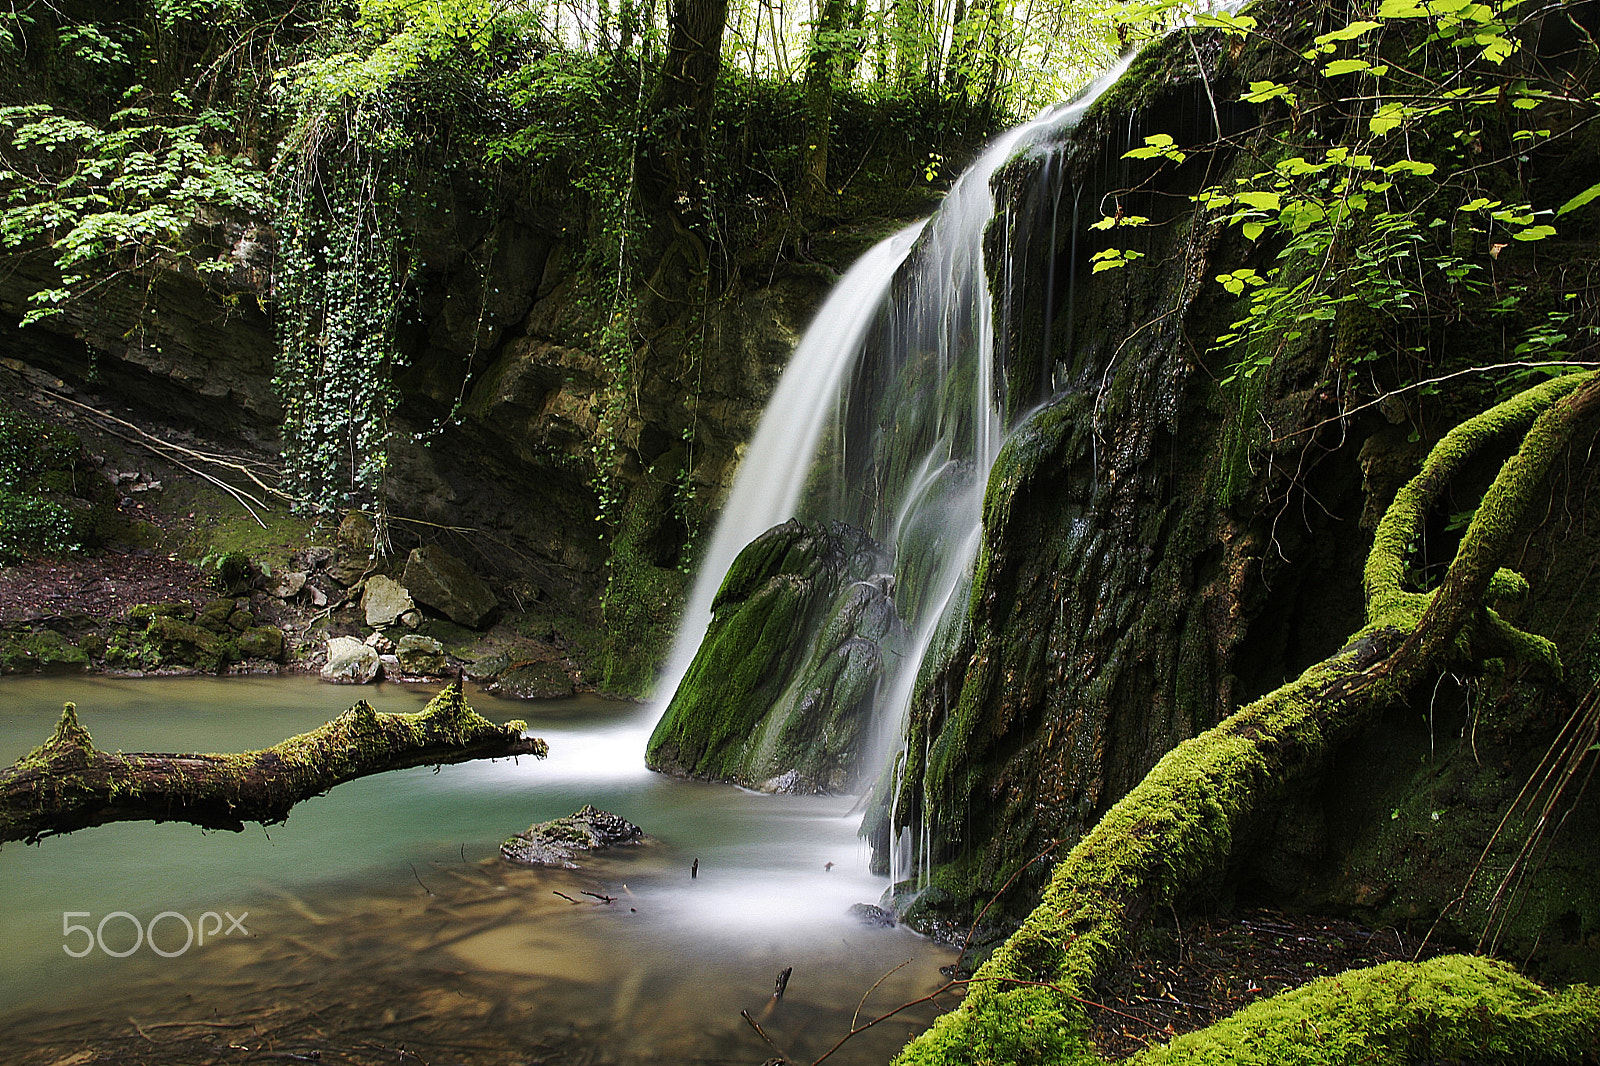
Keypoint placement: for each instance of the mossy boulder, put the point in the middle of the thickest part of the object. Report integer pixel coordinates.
(261, 642)
(781, 689)
(40, 651)
(558, 841)
(421, 655)
(181, 643)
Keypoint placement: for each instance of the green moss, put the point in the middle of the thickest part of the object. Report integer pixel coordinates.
(1451, 1009)
(760, 699)
(40, 650)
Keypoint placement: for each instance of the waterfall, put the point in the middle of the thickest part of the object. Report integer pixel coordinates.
(890, 416)
(778, 460)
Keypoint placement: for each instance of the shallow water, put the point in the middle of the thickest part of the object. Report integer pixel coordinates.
(381, 926)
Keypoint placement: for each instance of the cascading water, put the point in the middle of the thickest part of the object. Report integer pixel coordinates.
(889, 418)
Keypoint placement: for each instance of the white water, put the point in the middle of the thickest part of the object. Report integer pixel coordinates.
(939, 325)
(778, 460)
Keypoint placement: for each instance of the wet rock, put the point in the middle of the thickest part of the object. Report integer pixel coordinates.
(350, 662)
(488, 667)
(215, 614)
(384, 600)
(557, 842)
(261, 642)
(418, 654)
(439, 580)
(533, 681)
(872, 915)
(780, 694)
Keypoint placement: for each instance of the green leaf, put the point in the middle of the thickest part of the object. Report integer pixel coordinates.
(1579, 200)
(1156, 144)
(1348, 33)
(1410, 166)
(1387, 118)
(1401, 9)
(1345, 66)
(1534, 233)
(1253, 230)
(1262, 91)
(1263, 201)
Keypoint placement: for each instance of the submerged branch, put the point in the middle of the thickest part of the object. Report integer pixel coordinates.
(67, 783)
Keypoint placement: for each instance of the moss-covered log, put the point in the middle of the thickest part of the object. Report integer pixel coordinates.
(1176, 829)
(67, 783)
(1451, 1009)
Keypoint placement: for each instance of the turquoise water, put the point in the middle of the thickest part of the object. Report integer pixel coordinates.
(385, 896)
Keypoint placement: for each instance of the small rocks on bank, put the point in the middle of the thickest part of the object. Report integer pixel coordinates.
(558, 841)
(350, 662)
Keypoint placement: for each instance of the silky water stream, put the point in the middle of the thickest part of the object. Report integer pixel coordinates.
(379, 925)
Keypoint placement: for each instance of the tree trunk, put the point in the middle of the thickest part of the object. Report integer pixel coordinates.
(67, 783)
(822, 69)
(681, 106)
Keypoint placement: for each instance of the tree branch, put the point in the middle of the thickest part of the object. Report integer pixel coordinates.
(67, 783)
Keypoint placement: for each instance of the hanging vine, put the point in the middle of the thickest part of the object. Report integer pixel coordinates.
(340, 277)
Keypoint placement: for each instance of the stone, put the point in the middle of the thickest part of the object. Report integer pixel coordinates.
(288, 584)
(190, 644)
(411, 619)
(558, 841)
(533, 681)
(350, 662)
(241, 620)
(385, 600)
(439, 580)
(379, 643)
(44, 650)
(262, 642)
(871, 915)
(420, 655)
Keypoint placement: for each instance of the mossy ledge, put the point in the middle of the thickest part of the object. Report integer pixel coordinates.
(1177, 827)
(67, 783)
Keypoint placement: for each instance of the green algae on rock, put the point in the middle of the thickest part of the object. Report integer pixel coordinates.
(763, 706)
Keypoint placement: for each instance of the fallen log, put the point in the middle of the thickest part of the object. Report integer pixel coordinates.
(1176, 828)
(67, 783)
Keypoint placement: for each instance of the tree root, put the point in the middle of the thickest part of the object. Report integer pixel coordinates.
(1176, 827)
(67, 783)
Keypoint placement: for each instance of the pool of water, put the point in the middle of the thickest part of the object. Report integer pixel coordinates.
(377, 924)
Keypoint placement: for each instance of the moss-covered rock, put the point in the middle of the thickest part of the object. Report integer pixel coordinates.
(261, 642)
(558, 841)
(41, 650)
(781, 691)
(180, 643)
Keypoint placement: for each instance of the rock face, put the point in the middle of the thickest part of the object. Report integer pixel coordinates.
(557, 842)
(781, 691)
(384, 600)
(350, 662)
(439, 580)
